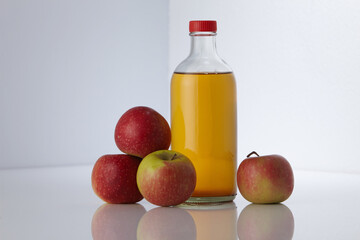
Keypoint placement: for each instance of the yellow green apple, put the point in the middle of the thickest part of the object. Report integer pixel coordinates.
(166, 178)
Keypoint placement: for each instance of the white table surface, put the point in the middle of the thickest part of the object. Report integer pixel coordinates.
(58, 203)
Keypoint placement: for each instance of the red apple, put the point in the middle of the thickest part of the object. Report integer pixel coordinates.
(142, 130)
(166, 223)
(116, 221)
(113, 178)
(166, 178)
(265, 179)
(265, 222)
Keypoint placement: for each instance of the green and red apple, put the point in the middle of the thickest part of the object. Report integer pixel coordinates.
(113, 178)
(166, 178)
(142, 130)
(265, 179)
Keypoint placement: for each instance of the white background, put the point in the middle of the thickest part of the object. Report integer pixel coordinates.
(69, 69)
(297, 65)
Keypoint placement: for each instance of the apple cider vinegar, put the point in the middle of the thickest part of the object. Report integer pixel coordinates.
(203, 116)
(203, 127)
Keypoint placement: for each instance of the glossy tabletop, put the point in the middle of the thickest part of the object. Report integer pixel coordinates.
(58, 203)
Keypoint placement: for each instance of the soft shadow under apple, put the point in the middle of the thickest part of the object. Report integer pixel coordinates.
(214, 221)
(166, 223)
(265, 222)
(116, 221)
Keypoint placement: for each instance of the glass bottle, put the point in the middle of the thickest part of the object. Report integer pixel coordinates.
(203, 116)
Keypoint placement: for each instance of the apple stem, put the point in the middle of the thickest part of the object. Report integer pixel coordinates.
(253, 152)
(173, 157)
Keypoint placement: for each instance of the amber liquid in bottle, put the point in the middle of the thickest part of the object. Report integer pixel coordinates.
(203, 127)
(203, 116)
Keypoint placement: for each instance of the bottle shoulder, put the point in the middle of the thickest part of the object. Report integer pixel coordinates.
(199, 64)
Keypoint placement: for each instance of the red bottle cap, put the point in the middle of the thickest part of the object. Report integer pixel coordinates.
(202, 26)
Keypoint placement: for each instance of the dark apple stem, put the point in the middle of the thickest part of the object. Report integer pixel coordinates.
(173, 157)
(253, 152)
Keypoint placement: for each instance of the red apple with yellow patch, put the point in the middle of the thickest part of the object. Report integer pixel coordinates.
(265, 179)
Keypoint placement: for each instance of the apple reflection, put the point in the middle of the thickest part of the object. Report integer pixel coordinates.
(166, 223)
(214, 222)
(116, 221)
(265, 222)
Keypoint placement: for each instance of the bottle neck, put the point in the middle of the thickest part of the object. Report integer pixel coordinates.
(203, 44)
(203, 56)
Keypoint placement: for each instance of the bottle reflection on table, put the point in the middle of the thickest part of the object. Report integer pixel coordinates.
(214, 222)
(166, 223)
(265, 222)
(116, 221)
